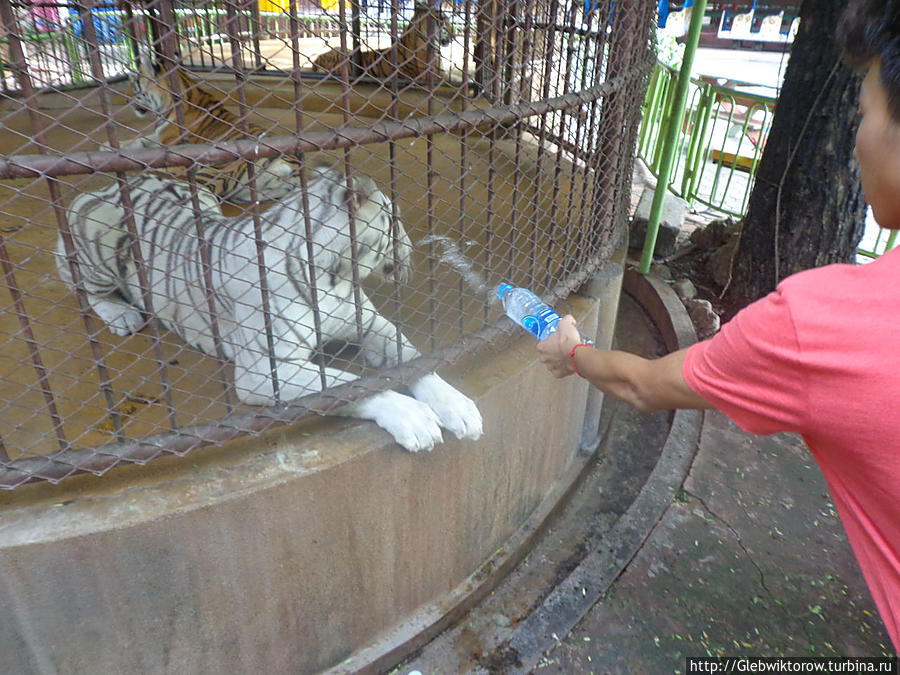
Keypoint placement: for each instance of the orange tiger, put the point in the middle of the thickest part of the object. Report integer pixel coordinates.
(412, 48)
(207, 120)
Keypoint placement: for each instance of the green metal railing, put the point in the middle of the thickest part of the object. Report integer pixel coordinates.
(676, 118)
(884, 240)
(718, 147)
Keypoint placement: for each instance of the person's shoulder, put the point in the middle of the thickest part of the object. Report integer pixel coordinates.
(815, 297)
(816, 281)
(843, 278)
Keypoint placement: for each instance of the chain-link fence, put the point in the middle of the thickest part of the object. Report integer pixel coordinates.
(212, 212)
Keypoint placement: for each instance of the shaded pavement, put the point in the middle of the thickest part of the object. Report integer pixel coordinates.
(749, 560)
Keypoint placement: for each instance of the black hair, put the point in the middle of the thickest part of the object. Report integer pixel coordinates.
(869, 31)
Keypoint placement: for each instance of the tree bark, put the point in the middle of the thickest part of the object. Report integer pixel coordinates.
(806, 208)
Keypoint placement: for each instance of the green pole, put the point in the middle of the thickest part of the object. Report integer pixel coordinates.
(671, 140)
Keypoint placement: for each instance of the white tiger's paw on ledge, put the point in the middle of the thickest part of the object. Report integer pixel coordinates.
(456, 411)
(412, 423)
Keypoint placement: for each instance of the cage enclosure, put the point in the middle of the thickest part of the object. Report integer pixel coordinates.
(224, 226)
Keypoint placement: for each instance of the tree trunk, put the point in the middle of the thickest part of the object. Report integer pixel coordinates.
(806, 208)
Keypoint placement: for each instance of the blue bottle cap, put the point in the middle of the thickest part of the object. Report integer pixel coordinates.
(501, 290)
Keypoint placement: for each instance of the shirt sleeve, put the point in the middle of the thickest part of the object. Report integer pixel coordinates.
(752, 370)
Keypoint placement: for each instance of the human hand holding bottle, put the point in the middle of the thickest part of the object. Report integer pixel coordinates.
(556, 350)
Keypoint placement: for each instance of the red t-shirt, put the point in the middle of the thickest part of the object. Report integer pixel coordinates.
(821, 356)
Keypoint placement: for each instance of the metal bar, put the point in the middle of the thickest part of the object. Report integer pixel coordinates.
(131, 36)
(31, 166)
(648, 118)
(563, 125)
(481, 52)
(463, 165)
(33, 347)
(204, 249)
(489, 226)
(86, 10)
(344, 66)
(701, 131)
(254, 26)
(523, 87)
(510, 38)
(681, 88)
(348, 171)
(587, 122)
(666, 97)
(167, 49)
(356, 34)
(392, 160)
(610, 119)
(307, 221)
(430, 29)
(612, 158)
(467, 91)
(498, 47)
(241, 77)
(493, 57)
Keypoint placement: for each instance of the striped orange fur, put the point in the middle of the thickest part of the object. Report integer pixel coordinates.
(412, 48)
(206, 120)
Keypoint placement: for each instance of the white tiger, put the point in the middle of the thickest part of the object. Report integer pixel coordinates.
(170, 250)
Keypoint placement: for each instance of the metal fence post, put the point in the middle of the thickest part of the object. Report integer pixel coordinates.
(675, 121)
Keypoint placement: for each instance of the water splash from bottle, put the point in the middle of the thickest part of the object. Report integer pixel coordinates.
(452, 255)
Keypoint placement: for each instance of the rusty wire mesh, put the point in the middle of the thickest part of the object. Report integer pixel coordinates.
(514, 144)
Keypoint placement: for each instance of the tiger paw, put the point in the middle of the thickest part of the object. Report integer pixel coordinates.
(456, 411)
(121, 319)
(126, 324)
(413, 424)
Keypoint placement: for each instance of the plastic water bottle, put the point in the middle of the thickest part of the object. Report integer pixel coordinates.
(530, 312)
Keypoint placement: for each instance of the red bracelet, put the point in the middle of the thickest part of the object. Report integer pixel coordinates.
(572, 357)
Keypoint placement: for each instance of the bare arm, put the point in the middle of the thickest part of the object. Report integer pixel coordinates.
(647, 384)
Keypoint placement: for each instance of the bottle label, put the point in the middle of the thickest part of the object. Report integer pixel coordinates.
(541, 325)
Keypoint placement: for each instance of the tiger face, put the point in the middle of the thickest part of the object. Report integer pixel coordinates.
(443, 29)
(147, 96)
(381, 247)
